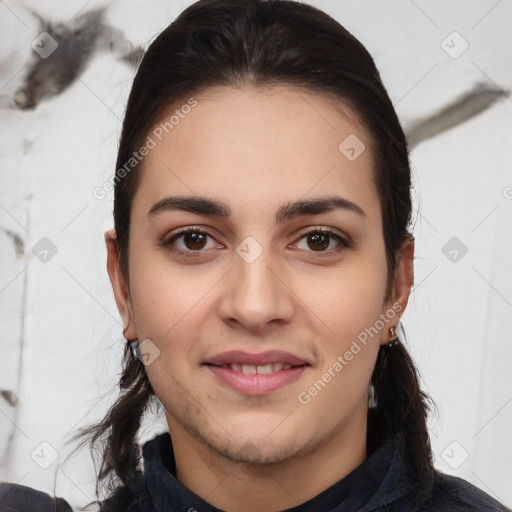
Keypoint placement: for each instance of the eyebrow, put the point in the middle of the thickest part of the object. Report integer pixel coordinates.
(206, 206)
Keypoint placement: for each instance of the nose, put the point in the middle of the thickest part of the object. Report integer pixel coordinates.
(256, 297)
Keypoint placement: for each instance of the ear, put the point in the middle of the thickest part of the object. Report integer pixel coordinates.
(400, 288)
(119, 286)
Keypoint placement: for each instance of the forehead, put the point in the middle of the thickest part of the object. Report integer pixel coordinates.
(254, 146)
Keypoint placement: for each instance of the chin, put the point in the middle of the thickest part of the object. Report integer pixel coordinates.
(268, 444)
(256, 451)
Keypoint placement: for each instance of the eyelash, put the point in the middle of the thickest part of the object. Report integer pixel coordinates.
(166, 243)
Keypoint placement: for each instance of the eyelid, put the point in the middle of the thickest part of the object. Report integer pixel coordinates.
(324, 229)
(167, 240)
(344, 241)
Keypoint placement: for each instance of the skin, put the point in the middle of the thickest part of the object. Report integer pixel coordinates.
(256, 149)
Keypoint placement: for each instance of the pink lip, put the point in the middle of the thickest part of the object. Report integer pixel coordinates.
(262, 358)
(256, 384)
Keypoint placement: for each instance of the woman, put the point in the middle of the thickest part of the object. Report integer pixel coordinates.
(261, 262)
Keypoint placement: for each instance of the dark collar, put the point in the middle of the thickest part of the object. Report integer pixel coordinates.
(382, 478)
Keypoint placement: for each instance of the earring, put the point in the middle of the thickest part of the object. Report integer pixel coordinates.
(393, 337)
(372, 403)
(134, 347)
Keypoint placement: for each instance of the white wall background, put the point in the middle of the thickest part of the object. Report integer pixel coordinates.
(61, 338)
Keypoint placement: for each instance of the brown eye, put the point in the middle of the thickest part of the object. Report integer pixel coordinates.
(319, 241)
(194, 241)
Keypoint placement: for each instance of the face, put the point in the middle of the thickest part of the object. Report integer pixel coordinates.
(263, 322)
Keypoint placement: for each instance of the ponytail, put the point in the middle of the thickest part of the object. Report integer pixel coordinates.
(402, 407)
(116, 434)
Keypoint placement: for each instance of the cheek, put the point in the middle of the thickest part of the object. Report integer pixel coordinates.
(347, 309)
(347, 299)
(166, 297)
(349, 341)
(167, 309)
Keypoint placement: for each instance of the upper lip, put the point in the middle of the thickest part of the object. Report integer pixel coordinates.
(259, 359)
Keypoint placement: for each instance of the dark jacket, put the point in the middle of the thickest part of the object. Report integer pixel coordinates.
(382, 483)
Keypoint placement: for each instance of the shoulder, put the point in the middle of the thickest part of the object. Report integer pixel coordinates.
(26, 499)
(458, 495)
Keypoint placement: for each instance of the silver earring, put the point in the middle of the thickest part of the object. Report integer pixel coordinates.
(134, 345)
(372, 403)
(394, 339)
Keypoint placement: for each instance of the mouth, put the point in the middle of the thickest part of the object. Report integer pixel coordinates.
(269, 357)
(263, 369)
(256, 374)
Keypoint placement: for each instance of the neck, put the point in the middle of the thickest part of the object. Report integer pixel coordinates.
(233, 486)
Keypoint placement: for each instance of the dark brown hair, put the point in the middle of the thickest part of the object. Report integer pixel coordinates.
(234, 43)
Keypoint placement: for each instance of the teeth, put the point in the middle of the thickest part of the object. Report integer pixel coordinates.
(249, 369)
(265, 369)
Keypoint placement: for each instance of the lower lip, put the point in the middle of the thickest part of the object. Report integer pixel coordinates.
(257, 384)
